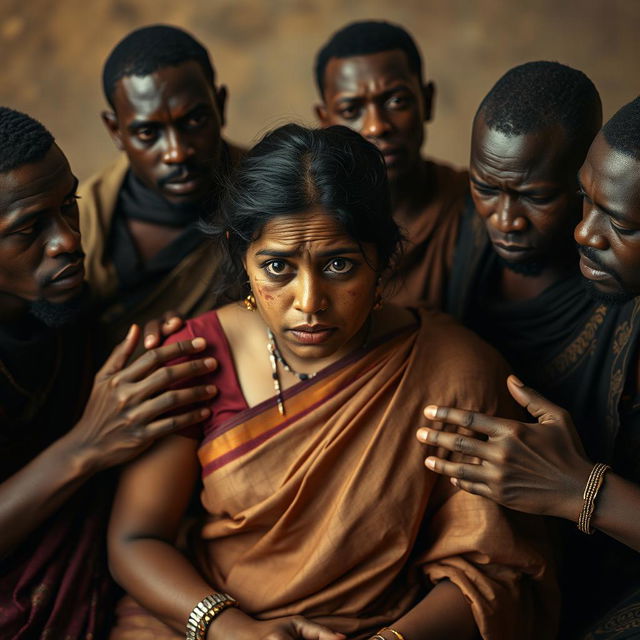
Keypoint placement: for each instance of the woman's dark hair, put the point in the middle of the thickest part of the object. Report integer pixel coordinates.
(294, 169)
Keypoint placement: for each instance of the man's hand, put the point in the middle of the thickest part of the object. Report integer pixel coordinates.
(233, 623)
(128, 406)
(538, 468)
(159, 328)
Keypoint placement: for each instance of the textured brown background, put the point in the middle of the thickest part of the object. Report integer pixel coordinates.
(52, 53)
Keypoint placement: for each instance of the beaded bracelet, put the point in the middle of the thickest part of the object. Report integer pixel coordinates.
(204, 613)
(596, 478)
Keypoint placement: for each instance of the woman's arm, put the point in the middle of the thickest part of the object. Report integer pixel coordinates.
(151, 500)
(152, 497)
(442, 614)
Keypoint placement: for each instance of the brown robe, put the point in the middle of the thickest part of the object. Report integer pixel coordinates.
(187, 289)
(430, 239)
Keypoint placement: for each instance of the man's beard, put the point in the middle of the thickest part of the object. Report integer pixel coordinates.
(618, 298)
(530, 268)
(57, 315)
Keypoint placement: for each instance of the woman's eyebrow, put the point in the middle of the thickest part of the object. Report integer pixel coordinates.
(275, 253)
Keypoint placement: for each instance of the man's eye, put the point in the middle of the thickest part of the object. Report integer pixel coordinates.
(398, 102)
(196, 121)
(339, 265)
(25, 231)
(146, 134)
(623, 231)
(484, 190)
(70, 201)
(349, 113)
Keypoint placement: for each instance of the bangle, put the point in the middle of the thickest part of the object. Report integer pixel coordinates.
(204, 613)
(397, 634)
(596, 478)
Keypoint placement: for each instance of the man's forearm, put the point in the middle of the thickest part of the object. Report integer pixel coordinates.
(617, 510)
(32, 494)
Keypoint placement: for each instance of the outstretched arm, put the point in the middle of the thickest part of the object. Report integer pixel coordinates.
(539, 468)
(121, 419)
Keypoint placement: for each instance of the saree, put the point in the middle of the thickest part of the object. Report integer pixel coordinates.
(329, 512)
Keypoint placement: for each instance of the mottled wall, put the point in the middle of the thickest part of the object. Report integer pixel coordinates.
(53, 50)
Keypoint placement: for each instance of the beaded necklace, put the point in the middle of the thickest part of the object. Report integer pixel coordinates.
(275, 356)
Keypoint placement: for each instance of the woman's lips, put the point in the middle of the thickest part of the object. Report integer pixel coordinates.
(312, 335)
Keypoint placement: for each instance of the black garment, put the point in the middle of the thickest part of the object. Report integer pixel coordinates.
(56, 582)
(580, 354)
(138, 278)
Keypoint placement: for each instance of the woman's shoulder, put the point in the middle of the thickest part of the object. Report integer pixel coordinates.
(445, 337)
(206, 325)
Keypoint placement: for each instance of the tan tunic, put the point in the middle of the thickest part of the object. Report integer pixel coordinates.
(187, 289)
(430, 240)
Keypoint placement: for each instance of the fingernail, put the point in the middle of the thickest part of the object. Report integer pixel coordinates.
(210, 363)
(199, 343)
(132, 328)
(423, 435)
(454, 481)
(211, 389)
(431, 463)
(205, 413)
(516, 380)
(431, 411)
(149, 341)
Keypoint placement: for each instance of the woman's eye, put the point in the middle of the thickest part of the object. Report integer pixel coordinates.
(339, 265)
(276, 267)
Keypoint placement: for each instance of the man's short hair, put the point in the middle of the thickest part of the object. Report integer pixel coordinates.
(622, 132)
(363, 38)
(148, 49)
(23, 140)
(535, 95)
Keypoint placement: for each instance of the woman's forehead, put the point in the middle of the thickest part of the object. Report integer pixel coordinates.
(314, 229)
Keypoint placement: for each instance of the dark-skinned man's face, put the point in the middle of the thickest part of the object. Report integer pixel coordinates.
(169, 124)
(379, 96)
(40, 254)
(608, 236)
(524, 188)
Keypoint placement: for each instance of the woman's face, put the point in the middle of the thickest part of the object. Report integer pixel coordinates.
(314, 285)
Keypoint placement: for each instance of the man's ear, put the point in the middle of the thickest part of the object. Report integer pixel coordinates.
(322, 114)
(428, 96)
(111, 123)
(221, 102)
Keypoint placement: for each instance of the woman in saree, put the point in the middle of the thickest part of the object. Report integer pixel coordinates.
(320, 520)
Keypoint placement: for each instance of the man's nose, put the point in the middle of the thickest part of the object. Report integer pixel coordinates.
(375, 123)
(508, 217)
(177, 149)
(588, 232)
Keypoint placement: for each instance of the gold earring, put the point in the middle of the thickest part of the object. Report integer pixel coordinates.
(250, 302)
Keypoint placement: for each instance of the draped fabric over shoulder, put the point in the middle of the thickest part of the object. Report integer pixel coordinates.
(329, 511)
